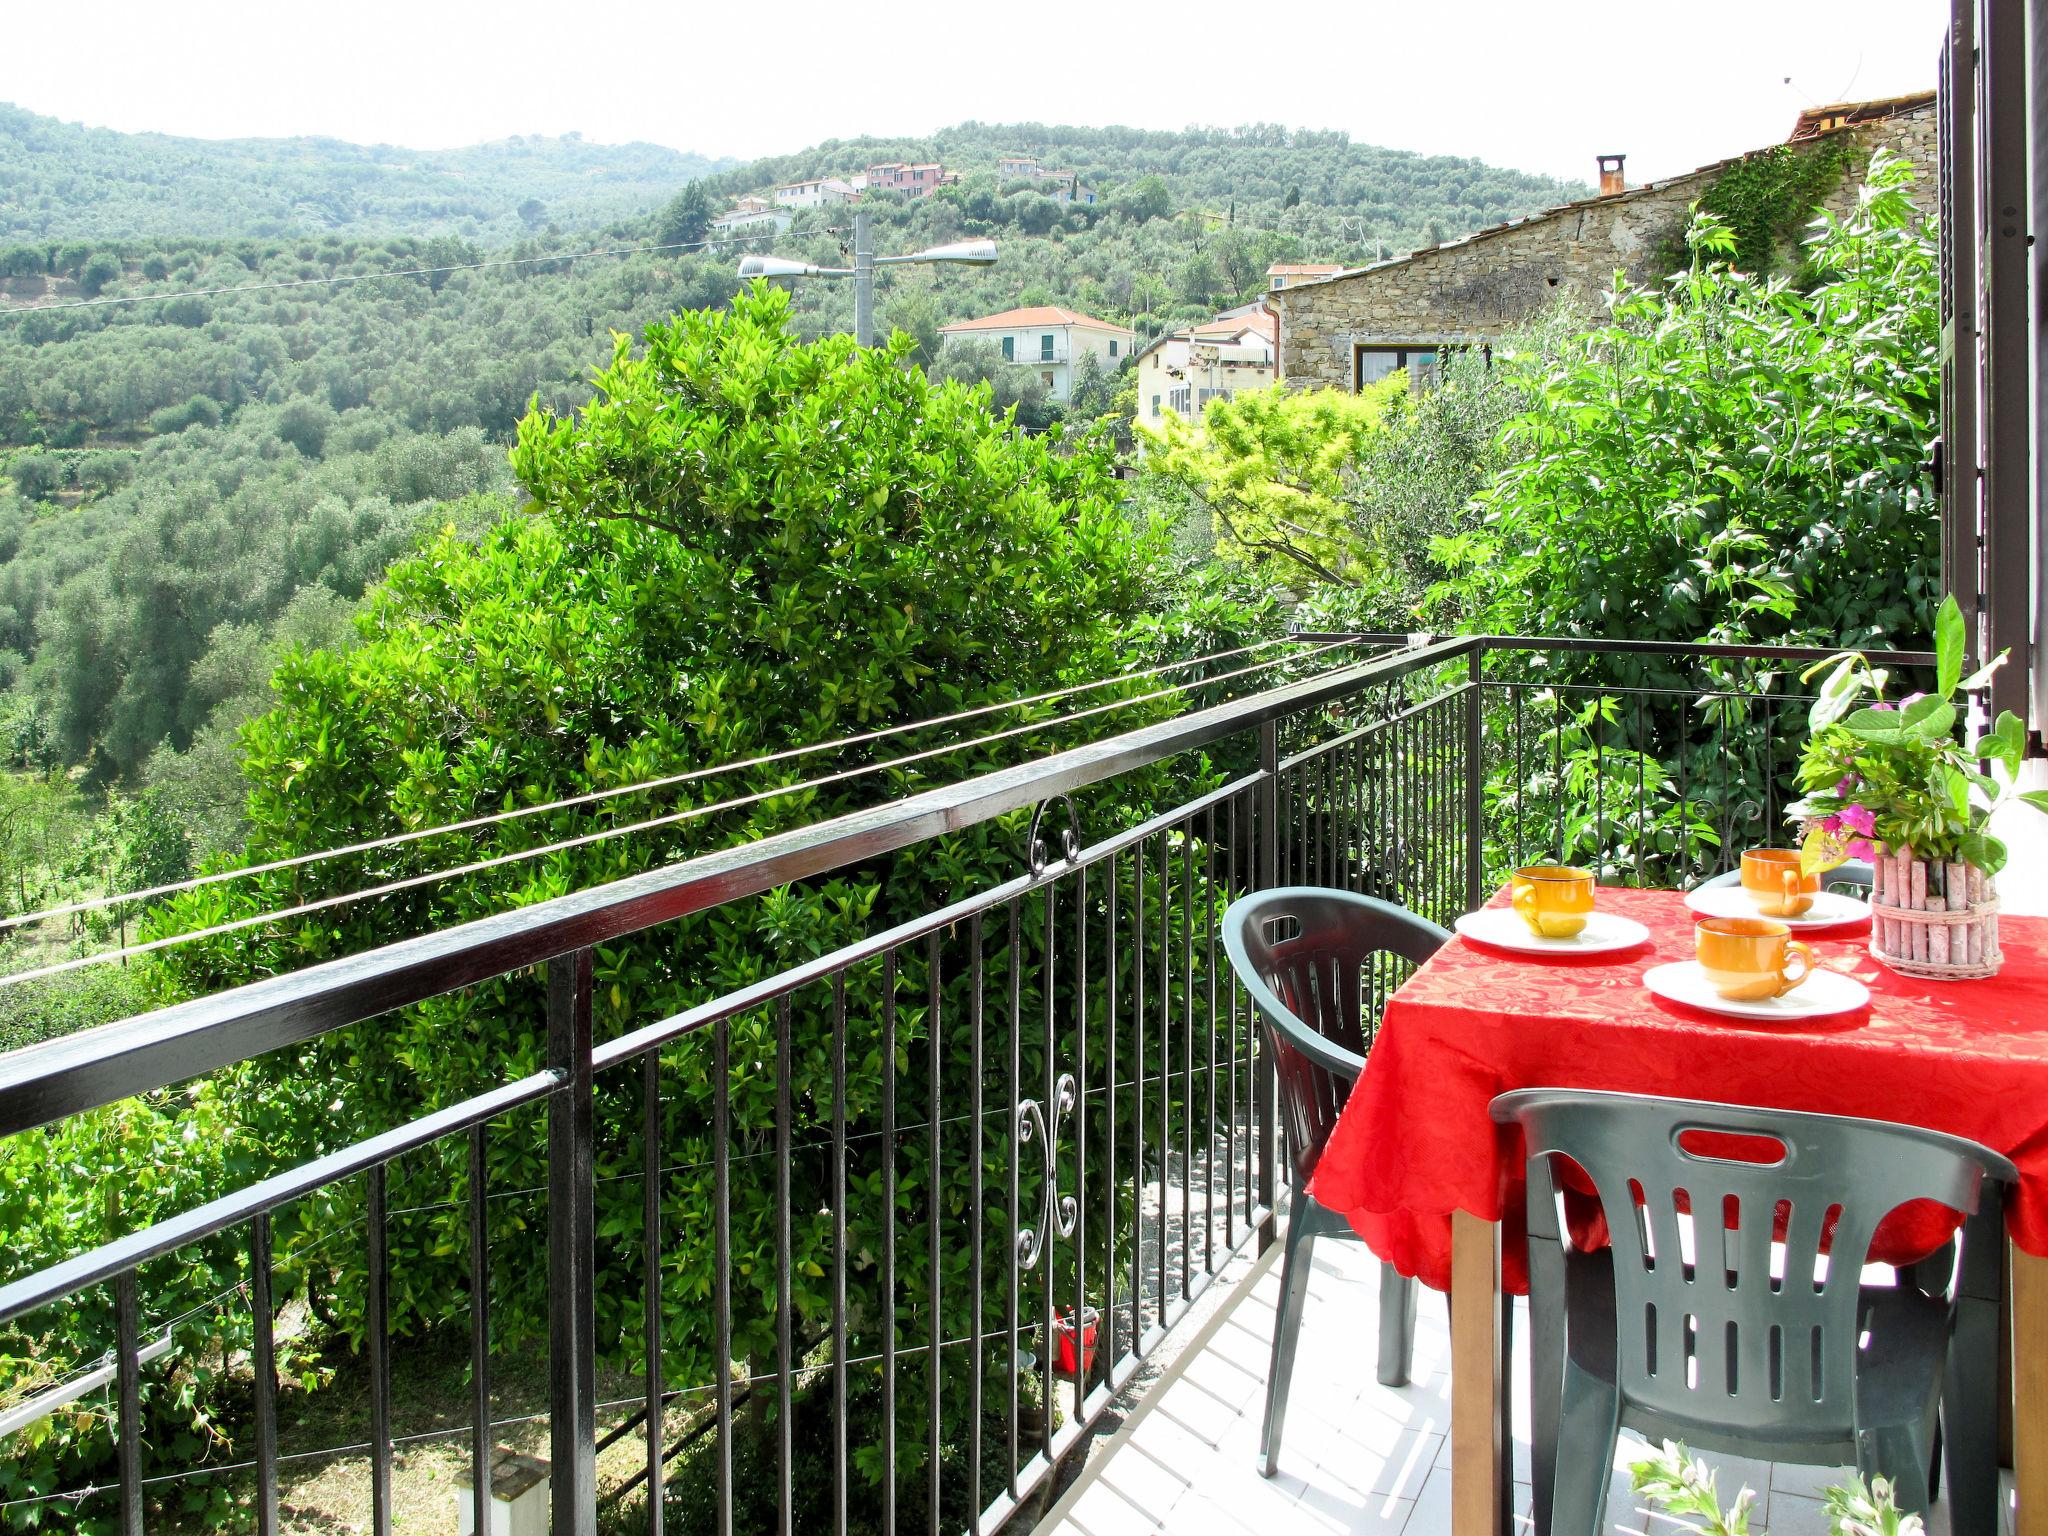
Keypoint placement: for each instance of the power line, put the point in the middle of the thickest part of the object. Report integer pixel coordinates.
(364, 277)
(673, 818)
(592, 797)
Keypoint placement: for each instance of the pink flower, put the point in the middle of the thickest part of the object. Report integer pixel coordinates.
(1859, 818)
(1910, 700)
(1831, 825)
(1881, 704)
(1859, 849)
(1846, 787)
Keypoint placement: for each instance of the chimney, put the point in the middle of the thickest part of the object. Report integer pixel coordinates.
(1610, 175)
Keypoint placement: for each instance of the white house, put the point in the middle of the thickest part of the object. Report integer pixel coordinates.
(1050, 340)
(818, 193)
(750, 212)
(1180, 373)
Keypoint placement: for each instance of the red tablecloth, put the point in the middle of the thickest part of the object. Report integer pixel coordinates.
(1415, 1143)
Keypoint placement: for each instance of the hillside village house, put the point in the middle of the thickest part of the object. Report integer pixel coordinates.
(1287, 274)
(920, 180)
(1346, 330)
(1050, 340)
(821, 192)
(752, 212)
(1180, 373)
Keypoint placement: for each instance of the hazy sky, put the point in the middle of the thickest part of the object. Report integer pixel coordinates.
(1542, 87)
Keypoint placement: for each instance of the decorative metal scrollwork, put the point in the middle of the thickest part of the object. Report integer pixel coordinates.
(1036, 854)
(1055, 1211)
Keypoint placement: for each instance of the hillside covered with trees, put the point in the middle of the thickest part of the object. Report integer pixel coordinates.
(313, 424)
(64, 181)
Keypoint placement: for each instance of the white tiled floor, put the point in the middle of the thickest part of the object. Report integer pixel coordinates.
(1357, 1457)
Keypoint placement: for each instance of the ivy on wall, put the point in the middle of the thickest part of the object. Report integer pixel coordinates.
(1768, 198)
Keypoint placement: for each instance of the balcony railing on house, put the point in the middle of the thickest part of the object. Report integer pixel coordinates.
(912, 1168)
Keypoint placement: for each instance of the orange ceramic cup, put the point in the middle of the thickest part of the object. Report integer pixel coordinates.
(1553, 899)
(1771, 878)
(1748, 959)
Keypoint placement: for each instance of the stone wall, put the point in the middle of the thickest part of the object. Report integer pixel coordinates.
(1493, 282)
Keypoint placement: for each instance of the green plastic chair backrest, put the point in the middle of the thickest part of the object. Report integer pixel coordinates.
(1723, 1330)
(1311, 959)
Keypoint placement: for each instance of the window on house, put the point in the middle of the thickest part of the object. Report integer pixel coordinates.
(1009, 349)
(1045, 347)
(1155, 406)
(1112, 347)
(1371, 364)
(1045, 379)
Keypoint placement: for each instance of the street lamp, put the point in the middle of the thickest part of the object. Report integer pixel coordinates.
(969, 253)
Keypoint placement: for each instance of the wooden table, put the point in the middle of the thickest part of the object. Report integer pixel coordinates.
(1415, 1164)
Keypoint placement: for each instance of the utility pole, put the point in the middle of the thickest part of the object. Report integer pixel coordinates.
(971, 253)
(863, 281)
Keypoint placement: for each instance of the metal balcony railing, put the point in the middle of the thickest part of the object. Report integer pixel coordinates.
(940, 1142)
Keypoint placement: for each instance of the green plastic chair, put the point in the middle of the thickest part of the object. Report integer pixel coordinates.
(1732, 1344)
(1307, 956)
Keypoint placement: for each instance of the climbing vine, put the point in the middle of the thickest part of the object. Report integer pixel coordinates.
(1767, 199)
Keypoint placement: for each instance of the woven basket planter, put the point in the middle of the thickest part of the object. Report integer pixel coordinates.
(1933, 919)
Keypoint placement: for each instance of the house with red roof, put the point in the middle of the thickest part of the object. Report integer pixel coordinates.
(1050, 340)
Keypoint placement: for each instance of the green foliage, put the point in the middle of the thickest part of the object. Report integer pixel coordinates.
(686, 218)
(1897, 774)
(1576, 792)
(1271, 467)
(65, 180)
(1768, 198)
(846, 543)
(1416, 480)
(1013, 390)
(280, 395)
(1684, 1488)
(55, 1006)
(1730, 459)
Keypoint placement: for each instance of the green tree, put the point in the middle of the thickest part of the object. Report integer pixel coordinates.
(685, 219)
(94, 276)
(39, 476)
(852, 543)
(1272, 468)
(1148, 197)
(916, 313)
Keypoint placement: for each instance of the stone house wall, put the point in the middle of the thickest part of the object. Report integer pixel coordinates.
(1490, 283)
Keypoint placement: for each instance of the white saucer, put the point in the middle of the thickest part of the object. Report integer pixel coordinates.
(1823, 993)
(1830, 909)
(1500, 928)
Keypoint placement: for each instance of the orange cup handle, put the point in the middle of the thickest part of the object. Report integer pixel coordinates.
(1791, 880)
(1788, 978)
(1523, 899)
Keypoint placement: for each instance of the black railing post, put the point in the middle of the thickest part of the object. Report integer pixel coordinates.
(128, 1424)
(1265, 1098)
(1475, 800)
(572, 1252)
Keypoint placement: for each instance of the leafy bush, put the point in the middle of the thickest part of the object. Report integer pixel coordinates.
(1272, 468)
(847, 543)
(1730, 459)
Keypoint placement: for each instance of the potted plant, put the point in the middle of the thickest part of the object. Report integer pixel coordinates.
(1895, 783)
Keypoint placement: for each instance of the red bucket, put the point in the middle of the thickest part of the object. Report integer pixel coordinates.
(1063, 1332)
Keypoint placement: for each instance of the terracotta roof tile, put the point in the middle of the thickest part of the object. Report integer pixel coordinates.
(1037, 314)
